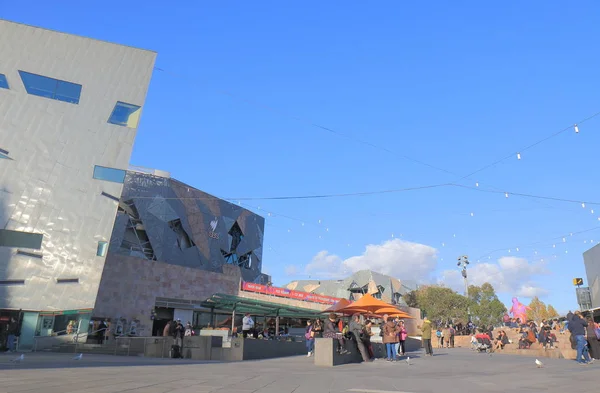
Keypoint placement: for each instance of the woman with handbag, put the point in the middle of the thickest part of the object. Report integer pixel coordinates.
(309, 334)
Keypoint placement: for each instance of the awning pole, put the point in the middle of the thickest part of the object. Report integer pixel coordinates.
(233, 318)
(277, 324)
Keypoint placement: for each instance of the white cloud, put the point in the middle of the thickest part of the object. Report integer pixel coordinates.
(511, 275)
(398, 258)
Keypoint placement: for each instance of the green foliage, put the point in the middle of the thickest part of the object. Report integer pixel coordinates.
(440, 303)
(484, 305)
(411, 299)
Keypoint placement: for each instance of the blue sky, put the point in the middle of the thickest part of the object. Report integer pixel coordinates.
(454, 85)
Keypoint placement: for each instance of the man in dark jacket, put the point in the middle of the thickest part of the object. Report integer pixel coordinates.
(577, 327)
(13, 330)
(358, 331)
(331, 331)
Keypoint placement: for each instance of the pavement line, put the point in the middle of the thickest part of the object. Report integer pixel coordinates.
(374, 391)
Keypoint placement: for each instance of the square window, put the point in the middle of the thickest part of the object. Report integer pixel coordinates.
(109, 174)
(126, 115)
(3, 82)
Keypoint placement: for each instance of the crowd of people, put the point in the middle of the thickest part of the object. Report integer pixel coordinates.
(360, 331)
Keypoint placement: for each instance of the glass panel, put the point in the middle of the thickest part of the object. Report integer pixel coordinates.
(28, 326)
(101, 250)
(109, 174)
(10, 238)
(3, 82)
(38, 85)
(55, 89)
(68, 92)
(127, 115)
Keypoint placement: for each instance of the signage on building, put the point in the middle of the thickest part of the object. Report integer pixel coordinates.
(213, 228)
(584, 298)
(287, 293)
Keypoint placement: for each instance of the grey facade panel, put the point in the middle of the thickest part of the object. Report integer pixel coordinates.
(591, 260)
(47, 187)
(165, 220)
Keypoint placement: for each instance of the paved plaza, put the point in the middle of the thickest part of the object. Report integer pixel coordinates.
(454, 370)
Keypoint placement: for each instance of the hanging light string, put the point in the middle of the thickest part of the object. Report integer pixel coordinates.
(382, 148)
(389, 191)
(518, 153)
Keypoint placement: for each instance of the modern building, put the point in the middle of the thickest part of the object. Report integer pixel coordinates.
(591, 259)
(381, 286)
(172, 248)
(69, 111)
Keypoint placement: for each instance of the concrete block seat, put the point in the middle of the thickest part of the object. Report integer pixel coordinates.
(326, 354)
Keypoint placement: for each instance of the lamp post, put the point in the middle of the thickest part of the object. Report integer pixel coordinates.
(463, 262)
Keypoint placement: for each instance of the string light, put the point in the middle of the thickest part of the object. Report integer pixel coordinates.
(476, 184)
(576, 129)
(518, 156)
(564, 240)
(517, 249)
(583, 204)
(472, 214)
(592, 211)
(506, 194)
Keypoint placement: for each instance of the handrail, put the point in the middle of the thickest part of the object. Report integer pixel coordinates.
(36, 338)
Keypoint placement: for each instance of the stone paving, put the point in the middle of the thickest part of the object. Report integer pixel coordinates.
(453, 370)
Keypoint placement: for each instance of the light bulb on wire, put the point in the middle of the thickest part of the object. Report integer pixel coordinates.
(576, 129)
(518, 156)
(583, 204)
(476, 184)
(506, 194)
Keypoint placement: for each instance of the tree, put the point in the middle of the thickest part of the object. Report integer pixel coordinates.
(552, 313)
(485, 308)
(411, 299)
(539, 311)
(440, 304)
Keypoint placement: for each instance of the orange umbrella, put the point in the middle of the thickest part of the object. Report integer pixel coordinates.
(338, 306)
(367, 303)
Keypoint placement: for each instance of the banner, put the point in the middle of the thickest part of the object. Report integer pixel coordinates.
(283, 292)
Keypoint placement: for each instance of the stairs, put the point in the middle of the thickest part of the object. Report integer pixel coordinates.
(110, 348)
(562, 348)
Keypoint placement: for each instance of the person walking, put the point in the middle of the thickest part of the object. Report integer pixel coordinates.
(390, 337)
(426, 336)
(577, 327)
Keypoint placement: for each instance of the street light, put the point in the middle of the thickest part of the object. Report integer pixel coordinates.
(463, 261)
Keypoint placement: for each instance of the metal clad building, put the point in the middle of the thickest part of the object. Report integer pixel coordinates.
(591, 259)
(69, 111)
(172, 241)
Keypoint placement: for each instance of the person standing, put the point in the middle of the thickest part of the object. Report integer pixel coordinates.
(13, 328)
(390, 337)
(592, 339)
(368, 334)
(247, 325)
(577, 327)
(402, 336)
(309, 334)
(358, 331)
(426, 336)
